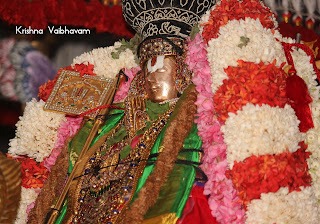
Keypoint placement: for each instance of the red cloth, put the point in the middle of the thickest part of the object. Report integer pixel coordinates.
(197, 209)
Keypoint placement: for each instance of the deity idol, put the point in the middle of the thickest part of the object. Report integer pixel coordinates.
(234, 88)
(143, 165)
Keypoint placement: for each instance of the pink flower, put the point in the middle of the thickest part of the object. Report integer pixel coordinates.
(124, 88)
(29, 207)
(223, 199)
(67, 129)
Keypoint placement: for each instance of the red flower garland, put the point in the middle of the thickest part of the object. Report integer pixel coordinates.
(250, 83)
(82, 68)
(267, 173)
(236, 10)
(45, 89)
(33, 174)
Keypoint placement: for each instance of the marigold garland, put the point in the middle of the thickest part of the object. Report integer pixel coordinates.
(236, 10)
(250, 83)
(268, 173)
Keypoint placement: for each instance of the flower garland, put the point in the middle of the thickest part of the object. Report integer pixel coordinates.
(295, 208)
(226, 11)
(250, 83)
(28, 195)
(32, 69)
(49, 131)
(260, 130)
(7, 84)
(67, 129)
(35, 174)
(223, 199)
(104, 64)
(224, 62)
(46, 88)
(268, 173)
(242, 39)
(124, 87)
(305, 71)
(36, 132)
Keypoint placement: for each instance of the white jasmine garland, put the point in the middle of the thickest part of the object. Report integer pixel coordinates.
(260, 130)
(305, 70)
(104, 65)
(36, 132)
(288, 40)
(228, 48)
(296, 207)
(28, 196)
(313, 141)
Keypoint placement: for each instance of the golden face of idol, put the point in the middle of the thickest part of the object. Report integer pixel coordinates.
(160, 84)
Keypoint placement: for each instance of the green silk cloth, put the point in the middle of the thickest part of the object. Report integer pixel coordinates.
(78, 141)
(175, 191)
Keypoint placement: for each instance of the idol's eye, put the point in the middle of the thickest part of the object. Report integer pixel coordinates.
(165, 68)
(162, 69)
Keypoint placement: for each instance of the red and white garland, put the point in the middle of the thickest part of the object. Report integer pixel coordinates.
(249, 130)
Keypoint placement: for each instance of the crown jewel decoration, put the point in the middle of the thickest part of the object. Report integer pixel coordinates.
(173, 18)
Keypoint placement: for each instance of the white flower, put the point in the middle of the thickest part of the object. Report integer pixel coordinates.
(296, 207)
(245, 40)
(36, 132)
(313, 141)
(104, 65)
(260, 130)
(305, 70)
(287, 40)
(28, 196)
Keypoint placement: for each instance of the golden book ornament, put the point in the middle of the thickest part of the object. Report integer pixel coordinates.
(75, 94)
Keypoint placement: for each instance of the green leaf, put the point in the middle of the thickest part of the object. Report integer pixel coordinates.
(115, 55)
(244, 41)
(194, 32)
